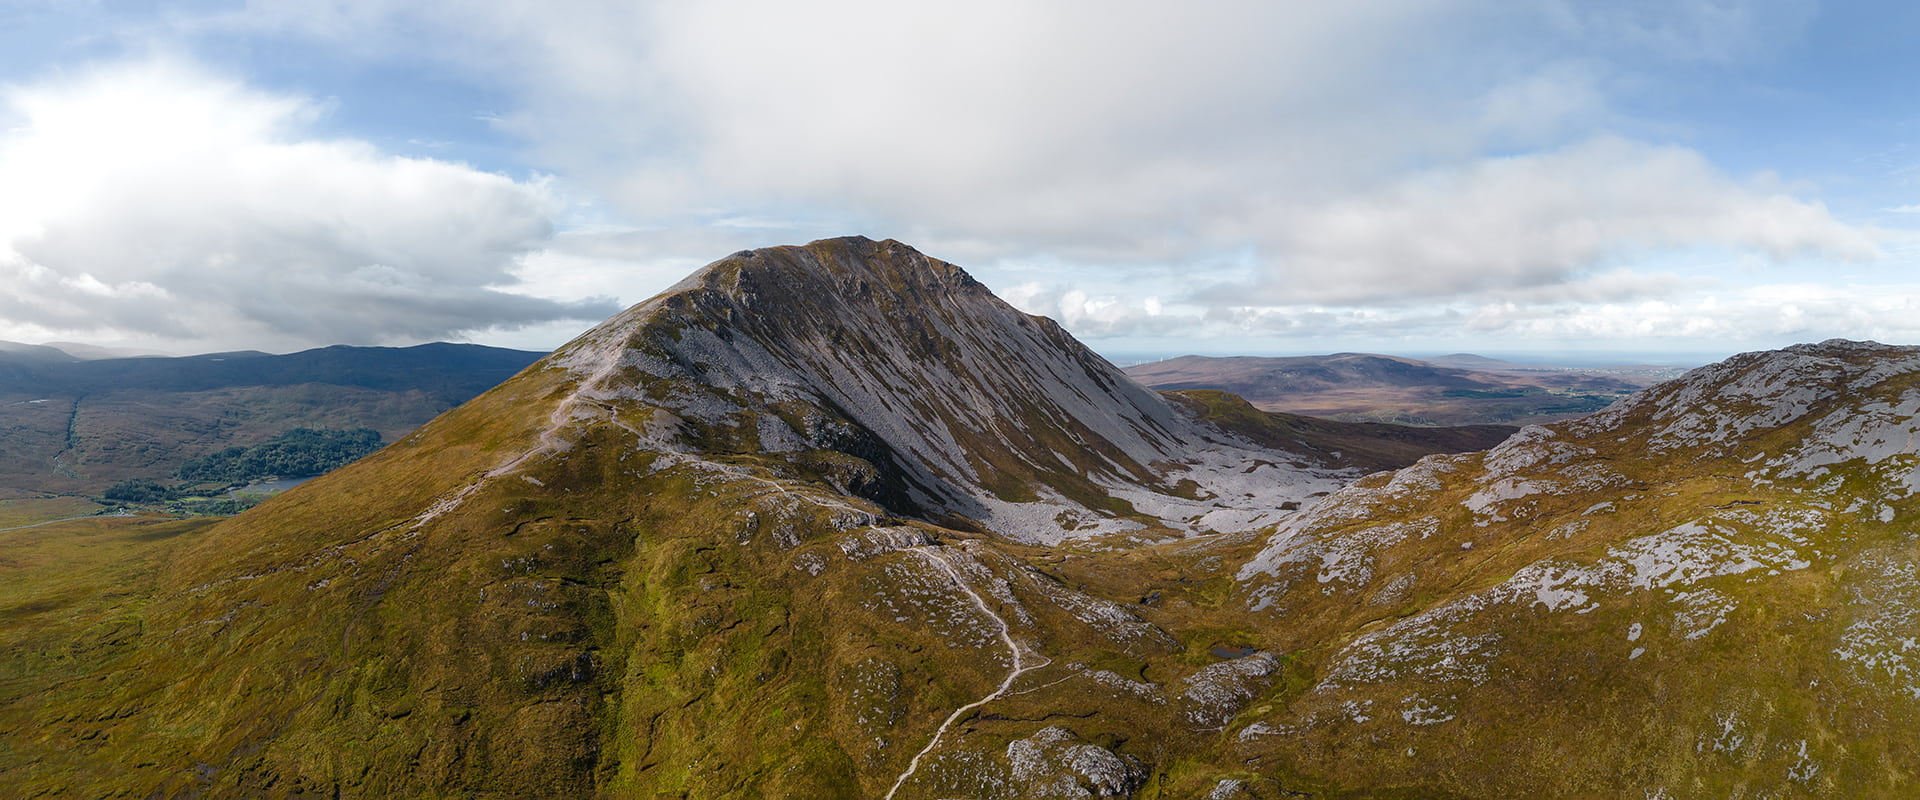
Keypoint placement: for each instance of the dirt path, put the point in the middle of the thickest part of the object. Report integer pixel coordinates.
(1021, 665)
(62, 519)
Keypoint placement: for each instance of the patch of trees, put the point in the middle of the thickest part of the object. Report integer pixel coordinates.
(141, 491)
(298, 453)
(179, 499)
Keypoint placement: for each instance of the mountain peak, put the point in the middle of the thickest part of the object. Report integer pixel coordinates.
(851, 266)
(964, 408)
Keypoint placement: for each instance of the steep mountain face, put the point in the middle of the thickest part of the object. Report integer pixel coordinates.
(967, 410)
(1706, 591)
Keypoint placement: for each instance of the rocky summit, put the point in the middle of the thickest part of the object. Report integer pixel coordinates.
(833, 521)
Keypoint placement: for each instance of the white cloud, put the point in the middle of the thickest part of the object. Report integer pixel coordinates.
(1768, 315)
(1096, 129)
(1529, 221)
(1345, 162)
(154, 200)
(1696, 318)
(1099, 315)
(1106, 131)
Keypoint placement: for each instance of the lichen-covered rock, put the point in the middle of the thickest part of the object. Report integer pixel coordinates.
(1055, 762)
(1211, 697)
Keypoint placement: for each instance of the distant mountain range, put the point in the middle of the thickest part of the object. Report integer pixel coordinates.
(74, 425)
(1458, 389)
(833, 521)
(71, 351)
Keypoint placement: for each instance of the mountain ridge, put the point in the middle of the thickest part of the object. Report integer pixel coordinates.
(1743, 514)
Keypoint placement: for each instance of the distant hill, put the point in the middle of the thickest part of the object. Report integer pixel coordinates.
(1458, 389)
(72, 425)
(1469, 361)
(76, 351)
(17, 352)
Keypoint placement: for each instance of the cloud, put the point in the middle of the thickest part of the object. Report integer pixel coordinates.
(1094, 129)
(1098, 131)
(1694, 316)
(1767, 315)
(154, 200)
(1529, 221)
(1328, 164)
(1099, 315)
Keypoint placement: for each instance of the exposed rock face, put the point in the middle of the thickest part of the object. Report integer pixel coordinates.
(1055, 762)
(936, 399)
(1212, 696)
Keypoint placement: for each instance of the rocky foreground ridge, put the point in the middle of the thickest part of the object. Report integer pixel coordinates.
(1707, 590)
(832, 521)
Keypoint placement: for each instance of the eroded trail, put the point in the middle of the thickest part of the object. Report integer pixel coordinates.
(1021, 662)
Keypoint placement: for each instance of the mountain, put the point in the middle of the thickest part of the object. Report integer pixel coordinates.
(68, 351)
(1453, 390)
(73, 425)
(89, 352)
(761, 535)
(833, 521)
(18, 352)
(1470, 361)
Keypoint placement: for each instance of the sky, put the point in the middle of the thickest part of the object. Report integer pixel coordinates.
(1669, 180)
